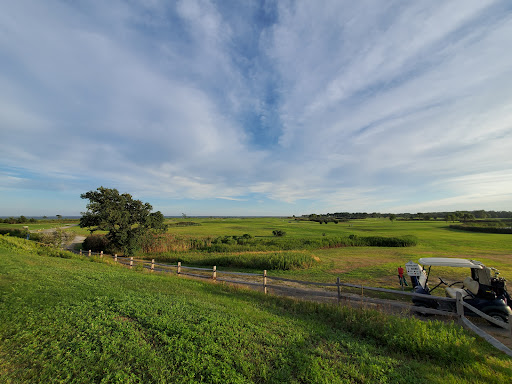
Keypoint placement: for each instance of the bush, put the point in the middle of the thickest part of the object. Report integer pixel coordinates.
(56, 238)
(16, 232)
(482, 229)
(21, 233)
(278, 233)
(184, 224)
(379, 241)
(96, 243)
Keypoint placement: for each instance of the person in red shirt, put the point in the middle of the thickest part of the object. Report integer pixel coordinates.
(401, 277)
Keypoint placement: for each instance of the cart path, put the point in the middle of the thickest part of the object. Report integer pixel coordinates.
(77, 240)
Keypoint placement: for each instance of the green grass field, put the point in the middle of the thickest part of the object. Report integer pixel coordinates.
(374, 266)
(370, 265)
(73, 320)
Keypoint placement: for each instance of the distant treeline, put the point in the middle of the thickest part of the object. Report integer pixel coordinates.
(18, 220)
(26, 220)
(447, 216)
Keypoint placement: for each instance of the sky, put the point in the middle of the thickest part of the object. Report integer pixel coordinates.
(256, 108)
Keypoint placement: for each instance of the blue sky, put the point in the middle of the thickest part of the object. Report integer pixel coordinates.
(256, 107)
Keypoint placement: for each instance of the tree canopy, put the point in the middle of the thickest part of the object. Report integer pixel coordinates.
(127, 221)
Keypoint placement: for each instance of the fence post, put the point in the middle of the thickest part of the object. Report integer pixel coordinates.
(152, 265)
(80, 252)
(179, 267)
(101, 254)
(339, 289)
(115, 257)
(460, 307)
(265, 281)
(89, 253)
(131, 262)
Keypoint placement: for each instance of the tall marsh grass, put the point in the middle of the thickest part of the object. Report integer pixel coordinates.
(251, 260)
(247, 243)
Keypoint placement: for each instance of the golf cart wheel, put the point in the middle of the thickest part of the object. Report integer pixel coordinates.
(497, 316)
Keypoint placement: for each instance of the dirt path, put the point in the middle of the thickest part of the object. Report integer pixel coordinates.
(77, 240)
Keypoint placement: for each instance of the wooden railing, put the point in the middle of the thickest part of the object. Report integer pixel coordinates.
(461, 304)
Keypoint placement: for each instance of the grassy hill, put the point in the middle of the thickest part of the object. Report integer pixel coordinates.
(67, 319)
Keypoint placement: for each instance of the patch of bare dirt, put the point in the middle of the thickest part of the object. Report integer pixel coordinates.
(76, 241)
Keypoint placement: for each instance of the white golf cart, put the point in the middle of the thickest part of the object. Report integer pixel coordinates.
(481, 290)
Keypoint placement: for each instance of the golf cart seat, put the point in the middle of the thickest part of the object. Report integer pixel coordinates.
(469, 287)
(452, 292)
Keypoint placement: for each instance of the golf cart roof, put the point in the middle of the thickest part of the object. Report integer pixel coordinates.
(450, 262)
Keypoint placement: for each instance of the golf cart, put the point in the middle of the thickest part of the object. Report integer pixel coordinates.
(481, 290)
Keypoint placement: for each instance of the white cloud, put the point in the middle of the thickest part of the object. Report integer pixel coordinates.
(345, 103)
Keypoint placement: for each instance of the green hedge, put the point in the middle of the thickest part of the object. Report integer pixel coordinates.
(482, 229)
(21, 233)
(285, 244)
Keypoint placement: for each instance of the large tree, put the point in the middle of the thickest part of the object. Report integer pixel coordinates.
(127, 221)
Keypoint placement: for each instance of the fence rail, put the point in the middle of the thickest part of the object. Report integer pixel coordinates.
(211, 273)
(461, 304)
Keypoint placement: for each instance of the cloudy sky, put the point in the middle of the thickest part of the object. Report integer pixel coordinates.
(256, 107)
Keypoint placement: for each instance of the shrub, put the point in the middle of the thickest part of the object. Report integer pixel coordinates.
(56, 238)
(21, 233)
(185, 224)
(482, 229)
(16, 232)
(96, 243)
(278, 232)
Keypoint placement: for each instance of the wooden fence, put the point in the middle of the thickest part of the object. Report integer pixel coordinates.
(329, 290)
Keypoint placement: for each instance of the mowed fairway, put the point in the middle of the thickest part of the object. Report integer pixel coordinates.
(73, 320)
(370, 265)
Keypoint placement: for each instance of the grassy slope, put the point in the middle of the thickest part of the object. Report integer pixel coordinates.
(72, 320)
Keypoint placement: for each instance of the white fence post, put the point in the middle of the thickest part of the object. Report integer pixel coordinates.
(214, 272)
(265, 281)
(131, 262)
(89, 253)
(101, 254)
(179, 267)
(115, 257)
(152, 265)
